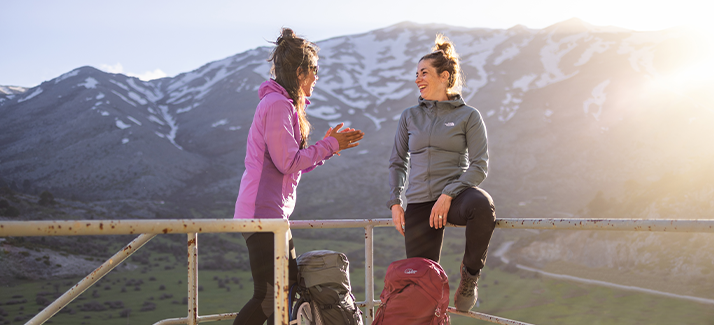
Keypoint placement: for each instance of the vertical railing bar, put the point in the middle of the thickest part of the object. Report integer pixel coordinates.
(192, 241)
(281, 286)
(90, 280)
(369, 272)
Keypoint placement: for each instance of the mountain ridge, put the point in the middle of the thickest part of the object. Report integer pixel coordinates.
(582, 122)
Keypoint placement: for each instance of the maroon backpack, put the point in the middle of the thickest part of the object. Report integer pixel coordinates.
(416, 292)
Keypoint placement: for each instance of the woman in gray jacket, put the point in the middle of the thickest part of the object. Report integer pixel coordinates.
(444, 143)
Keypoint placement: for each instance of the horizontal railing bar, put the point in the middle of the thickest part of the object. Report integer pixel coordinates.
(666, 225)
(201, 319)
(128, 227)
(339, 223)
(173, 321)
(486, 317)
(174, 226)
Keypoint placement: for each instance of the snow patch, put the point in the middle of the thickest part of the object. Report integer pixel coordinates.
(90, 83)
(124, 98)
(598, 99)
(550, 56)
(156, 120)
(641, 57)
(507, 54)
(34, 93)
(327, 113)
(548, 113)
(263, 70)
(67, 75)
(152, 96)
(124, 141)
(120, 124)
(599, 46)
(137, 98)
(234, 128)
(524, 81)
(121, 85)
(172, 123)
(377, 121)
(11, 90)
(219, 123)
(100, 96)
(186, 109)
(133, 120)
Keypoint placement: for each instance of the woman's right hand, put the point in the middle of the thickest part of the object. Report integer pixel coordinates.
(398, 218)
(346, 139)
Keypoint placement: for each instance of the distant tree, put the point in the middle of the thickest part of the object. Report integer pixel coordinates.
(6, 191)
(7, 210)
(26, 185)
(599, 207)
(125, 313)
(46, 198)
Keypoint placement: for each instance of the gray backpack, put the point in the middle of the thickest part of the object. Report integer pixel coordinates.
(324, 295)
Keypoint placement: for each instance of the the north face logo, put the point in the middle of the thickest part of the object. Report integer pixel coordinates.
(410, 271)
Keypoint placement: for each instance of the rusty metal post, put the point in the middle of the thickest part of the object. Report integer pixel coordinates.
(281, 287)
(192, 279)
(90, 279)
(369, 272)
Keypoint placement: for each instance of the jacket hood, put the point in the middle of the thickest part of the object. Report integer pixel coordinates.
(271, 86)
(457, 101)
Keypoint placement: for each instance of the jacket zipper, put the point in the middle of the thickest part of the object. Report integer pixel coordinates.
(428, 156)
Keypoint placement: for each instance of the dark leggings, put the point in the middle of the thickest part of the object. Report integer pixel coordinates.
(260, 251)
(472, 208)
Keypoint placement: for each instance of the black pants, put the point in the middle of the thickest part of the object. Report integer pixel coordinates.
(472, 208)
(260, 251)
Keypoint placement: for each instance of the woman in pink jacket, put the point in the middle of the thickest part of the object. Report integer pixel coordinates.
(277, 154)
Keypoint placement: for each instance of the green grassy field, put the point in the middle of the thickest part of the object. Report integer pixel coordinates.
(156, 290)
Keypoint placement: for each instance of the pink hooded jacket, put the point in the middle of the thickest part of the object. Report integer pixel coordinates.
(274, 161)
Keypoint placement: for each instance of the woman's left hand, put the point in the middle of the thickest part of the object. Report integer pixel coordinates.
(440, 211)
(327, 135)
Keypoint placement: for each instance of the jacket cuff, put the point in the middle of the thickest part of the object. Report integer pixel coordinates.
(333, 144)
(393, 202)
(454, 191)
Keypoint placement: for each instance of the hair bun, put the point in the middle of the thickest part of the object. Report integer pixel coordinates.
(444, 58)
(443, 44)
(285, 34)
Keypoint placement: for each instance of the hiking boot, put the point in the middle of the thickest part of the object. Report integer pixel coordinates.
(467, 292)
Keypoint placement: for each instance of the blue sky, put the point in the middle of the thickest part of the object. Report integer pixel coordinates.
(43, 39)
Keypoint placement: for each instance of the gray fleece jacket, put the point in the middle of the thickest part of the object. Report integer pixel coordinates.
(444, 143)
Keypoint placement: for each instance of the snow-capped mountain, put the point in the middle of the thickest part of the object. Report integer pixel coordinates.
(582, 121)
(571, 110)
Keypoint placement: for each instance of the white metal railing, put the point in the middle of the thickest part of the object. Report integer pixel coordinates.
(150, 228)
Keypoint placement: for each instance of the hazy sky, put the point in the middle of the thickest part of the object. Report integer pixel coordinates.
(40, 40)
